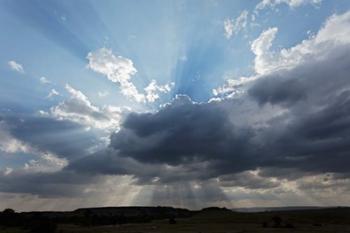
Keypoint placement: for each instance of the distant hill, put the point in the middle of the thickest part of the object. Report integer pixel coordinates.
(278, 209)
(135, 211)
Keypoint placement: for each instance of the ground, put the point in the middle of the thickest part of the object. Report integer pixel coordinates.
(187, 226)
(319, 221)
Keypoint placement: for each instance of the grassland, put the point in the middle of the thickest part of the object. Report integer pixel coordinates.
(315, 221)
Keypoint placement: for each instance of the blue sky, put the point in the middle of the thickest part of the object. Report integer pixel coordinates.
(86, 72)
(52, 39)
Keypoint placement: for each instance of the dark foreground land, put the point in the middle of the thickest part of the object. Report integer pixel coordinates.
(171, 220)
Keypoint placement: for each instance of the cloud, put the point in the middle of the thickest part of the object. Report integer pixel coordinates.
(153, 89)
(120, 70)
(52, 184)
(213, 143)
(235, 26)
(53, 93)
(117, 69)
(292, 118)
(16, 66)
(311, 84)
(276, 89)
(262, 64)
(44, 80)
(261, 48)
(228, 27)
(156, 137)
(333, 34)
(232, 87)
(65, 191)
(63, 138)
(291, 3)
(45, 163)
(79, 109)
(248, 179)
(8, 143)
(102, 94)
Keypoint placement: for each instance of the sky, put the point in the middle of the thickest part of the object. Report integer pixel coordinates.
(179, 103)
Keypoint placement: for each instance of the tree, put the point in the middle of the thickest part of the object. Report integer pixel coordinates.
(8, 211)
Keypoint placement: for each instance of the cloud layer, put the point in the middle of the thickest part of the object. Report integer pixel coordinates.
(283, 132)
(291, 117)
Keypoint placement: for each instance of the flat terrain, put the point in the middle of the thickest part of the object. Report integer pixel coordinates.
(188, 226)
(218, 221)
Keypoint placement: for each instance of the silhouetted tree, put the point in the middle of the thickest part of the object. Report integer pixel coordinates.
(8, 211)
(9, 217)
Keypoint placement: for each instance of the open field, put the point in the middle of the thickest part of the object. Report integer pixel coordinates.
(219, 221)
(188, 227)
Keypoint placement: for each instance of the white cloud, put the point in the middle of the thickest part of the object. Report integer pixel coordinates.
(102, 94)
(241, 21)
(16, 66)
(153, 89)
(291, 3)
(10, 144)
(53, 93)
(119, 70)
(232, 87)
(261, 48)
(44, 80)
(46, 162)
(79, 109)
(8, 171)
(228, 27)
(235, 26)
(334, 33)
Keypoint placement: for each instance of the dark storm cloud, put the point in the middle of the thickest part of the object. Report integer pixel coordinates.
(208, 140)
(182, 132)
(64, 138)
(314, 135)
(318, 77)
(182, 141)
(318, 141)
(277, 89)
(248, 180)
(109, 161)
(57, 184)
